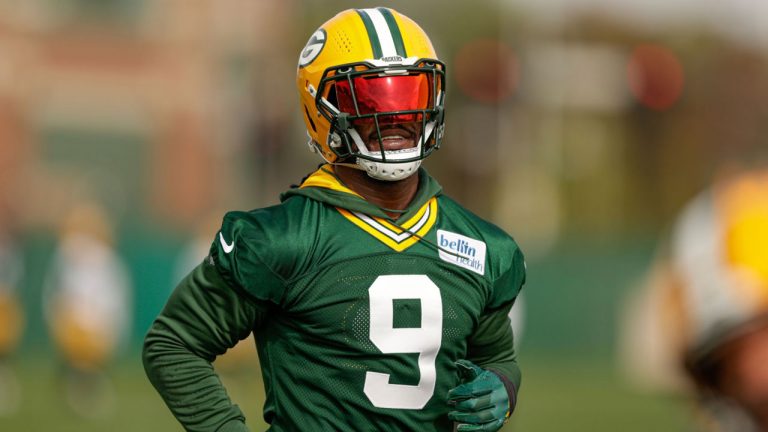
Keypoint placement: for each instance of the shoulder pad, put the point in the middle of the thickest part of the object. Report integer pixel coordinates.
(239, 252)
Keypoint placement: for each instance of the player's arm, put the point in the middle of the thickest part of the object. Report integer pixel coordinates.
(490, 375)
(202, 319)
(492, 348)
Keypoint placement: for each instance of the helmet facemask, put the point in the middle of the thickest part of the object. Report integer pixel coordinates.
(374, 109)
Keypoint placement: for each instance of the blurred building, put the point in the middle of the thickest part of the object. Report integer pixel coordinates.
(163, 109)
(141, 105)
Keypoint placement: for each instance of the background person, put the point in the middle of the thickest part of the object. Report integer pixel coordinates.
(12, 321)
(704, 312)
(88, 305)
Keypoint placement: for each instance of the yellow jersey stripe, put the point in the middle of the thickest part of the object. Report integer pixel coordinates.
(324, 178)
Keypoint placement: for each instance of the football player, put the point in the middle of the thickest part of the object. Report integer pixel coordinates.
(87, 306)
(377, 302)
(12, 321)
(706, 306)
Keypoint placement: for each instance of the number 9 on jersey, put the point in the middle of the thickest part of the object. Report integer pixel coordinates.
(424, 340)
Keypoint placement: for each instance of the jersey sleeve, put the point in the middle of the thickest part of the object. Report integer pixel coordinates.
(201, 320)
(508, 285)
(245, 252)
(492, 347)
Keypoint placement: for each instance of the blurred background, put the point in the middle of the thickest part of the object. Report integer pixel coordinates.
(128, 127)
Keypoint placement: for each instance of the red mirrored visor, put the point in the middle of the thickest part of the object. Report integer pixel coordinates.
(382, 94)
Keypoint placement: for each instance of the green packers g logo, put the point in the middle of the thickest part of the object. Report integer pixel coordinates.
(313, 48)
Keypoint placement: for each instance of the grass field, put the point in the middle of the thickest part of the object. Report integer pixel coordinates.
(572, 396)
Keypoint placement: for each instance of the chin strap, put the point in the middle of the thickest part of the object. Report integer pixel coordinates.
(388, 171)
(383, 171)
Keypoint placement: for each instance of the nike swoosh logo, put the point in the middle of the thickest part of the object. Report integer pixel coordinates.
(227, 247)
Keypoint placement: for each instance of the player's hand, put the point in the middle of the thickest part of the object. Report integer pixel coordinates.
(480, 402)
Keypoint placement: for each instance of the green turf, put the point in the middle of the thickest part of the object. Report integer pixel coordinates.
(584, 395)
(557, 395)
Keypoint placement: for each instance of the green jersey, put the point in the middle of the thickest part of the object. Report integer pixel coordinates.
(359, 319)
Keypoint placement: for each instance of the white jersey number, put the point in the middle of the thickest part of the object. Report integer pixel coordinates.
(424, 340)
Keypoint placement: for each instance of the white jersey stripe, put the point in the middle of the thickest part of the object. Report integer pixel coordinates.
(399, 238)
(382, 31)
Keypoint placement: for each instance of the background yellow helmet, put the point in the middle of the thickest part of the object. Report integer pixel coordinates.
(720, 253)
(707, 289)
(373, 66)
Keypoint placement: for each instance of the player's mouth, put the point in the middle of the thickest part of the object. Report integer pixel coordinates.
(393, 137)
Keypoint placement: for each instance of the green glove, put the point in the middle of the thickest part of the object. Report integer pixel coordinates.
(480, 402)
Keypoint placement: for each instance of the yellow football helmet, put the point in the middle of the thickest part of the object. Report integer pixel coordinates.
(369, 69)
(720, 256)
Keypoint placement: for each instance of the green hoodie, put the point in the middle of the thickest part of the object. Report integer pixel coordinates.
(358, 319)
